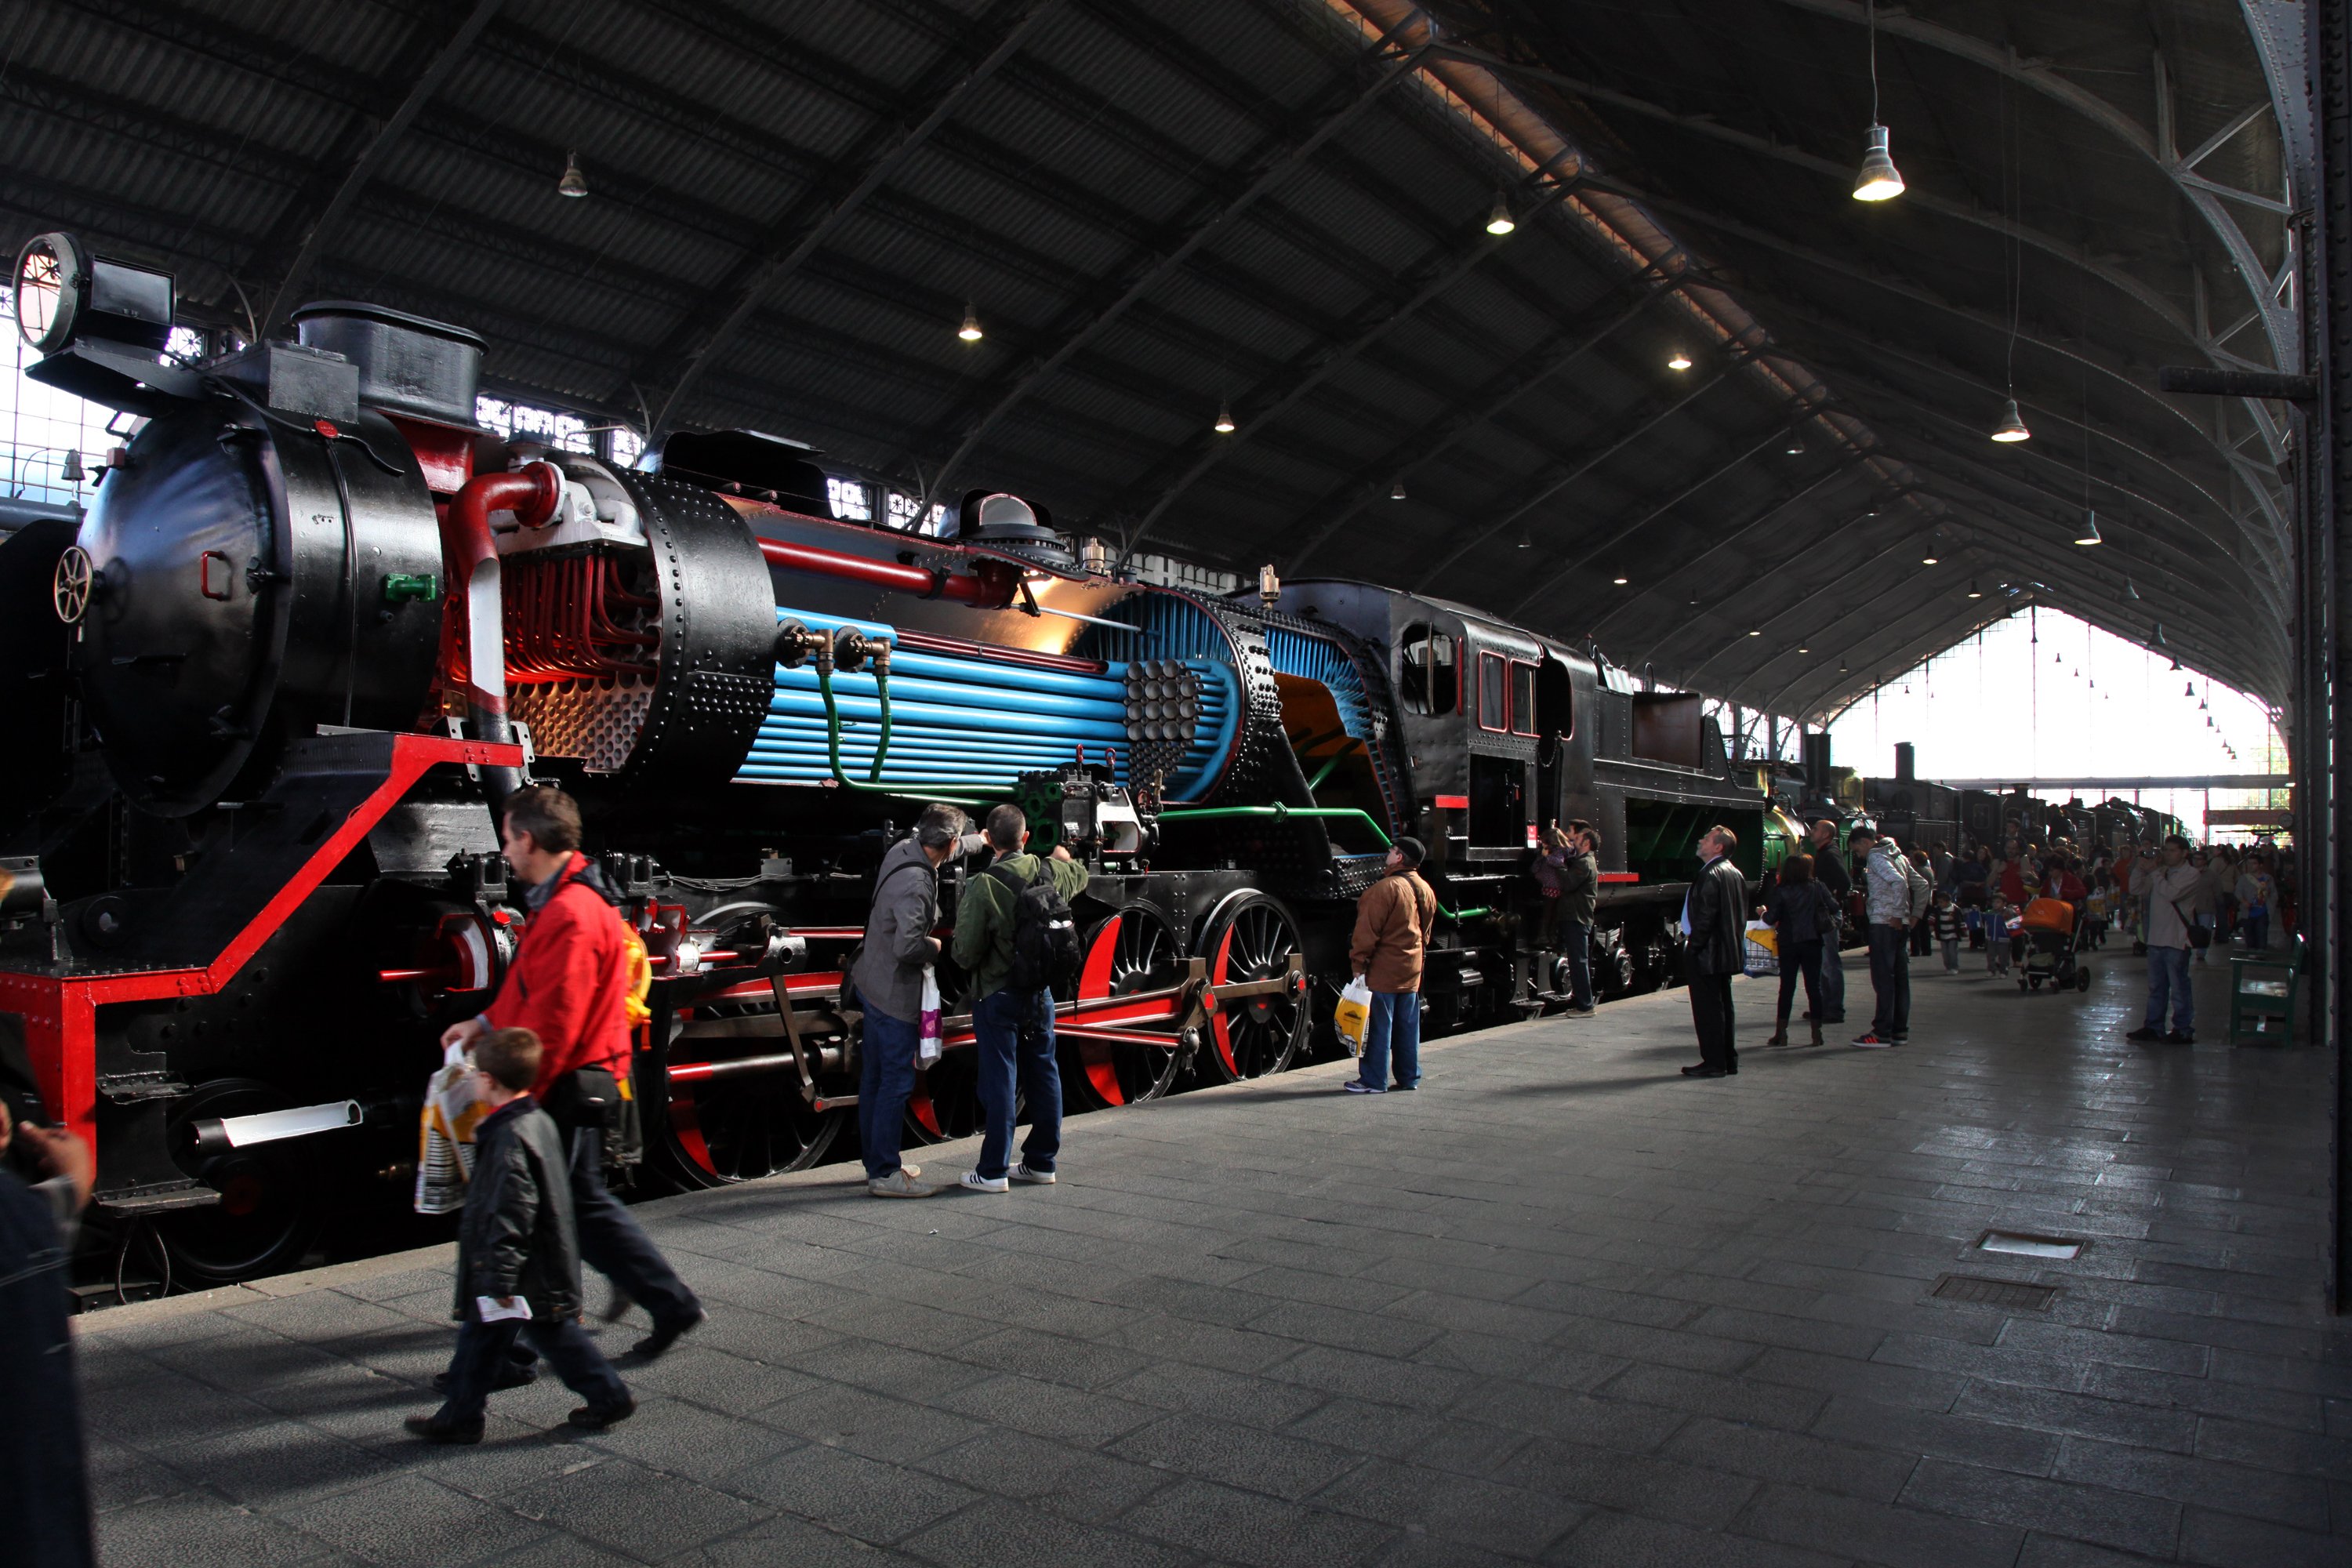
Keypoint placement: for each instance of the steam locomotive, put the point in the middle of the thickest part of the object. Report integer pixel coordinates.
(318, 624)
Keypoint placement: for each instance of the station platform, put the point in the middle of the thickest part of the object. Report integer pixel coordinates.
(1563, 1306)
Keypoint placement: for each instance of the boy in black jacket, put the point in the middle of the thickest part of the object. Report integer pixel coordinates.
(516, 1246)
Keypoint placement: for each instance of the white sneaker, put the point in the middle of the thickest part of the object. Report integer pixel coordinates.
(980, 1184)
(1022, 1173)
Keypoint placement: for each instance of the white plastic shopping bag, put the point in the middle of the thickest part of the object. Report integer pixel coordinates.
(1762, 950)
(928, 1051)
(454, 1107)
(1354, 1008)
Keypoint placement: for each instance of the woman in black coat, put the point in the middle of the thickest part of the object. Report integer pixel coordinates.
(1805, 914)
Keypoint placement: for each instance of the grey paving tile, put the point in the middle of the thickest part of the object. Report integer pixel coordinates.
(994, 1533)
(273, 1468)
(1266, 1401)
(1877, 1533)
(1645, 1484)
(1516, 1520)
(2204, 1397)
(1236, 1456)
(2233, 1540)
(202, 1531)
(875, 1425)
(2081, 1416)
(1768, 1402)
(412, 1520)
(2297, 1501)
(1232, 1526)
(638, 1512)
(1067, 1480)
(1920, 1432)
(2095, 1514)
(1612, 1540)
(869, 1499)
(781, 1539)
(1773, 1454)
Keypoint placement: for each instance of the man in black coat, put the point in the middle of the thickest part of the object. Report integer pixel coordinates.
(1715, 918)
(1830, 871)
(43, 1491)
(517, 1251)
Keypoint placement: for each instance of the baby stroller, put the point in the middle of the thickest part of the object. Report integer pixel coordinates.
(2054, 936)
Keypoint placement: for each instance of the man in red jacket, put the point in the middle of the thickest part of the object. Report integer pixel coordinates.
(569, 985)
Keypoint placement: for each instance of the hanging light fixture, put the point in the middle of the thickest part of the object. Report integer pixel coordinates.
(969, 332)
(1527, 541)
(1975, 592)
(2202, 707)
(1619, 581)
(2130, 591)
(2189, 690)
(2012, 427)
(1877, 182)
(1225, 424)
(1498, 221)
(1396, 490)
(1678, 361)
(574, 182)
(2089, 534)
(1930, 558)
(1754, 632)
(1796, 446)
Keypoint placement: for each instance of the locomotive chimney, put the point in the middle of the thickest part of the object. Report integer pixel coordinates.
(1905, 761)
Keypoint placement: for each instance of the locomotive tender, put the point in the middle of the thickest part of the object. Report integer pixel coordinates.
(318, 624)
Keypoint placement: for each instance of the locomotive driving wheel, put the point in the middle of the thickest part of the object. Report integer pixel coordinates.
(1131, 951)
(946, 1101)
(739, 1126)
(269, 1207)
(1251, 937)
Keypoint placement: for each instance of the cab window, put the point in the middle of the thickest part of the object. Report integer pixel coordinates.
(1494, 693)
(1428, 680)
(1523, 699)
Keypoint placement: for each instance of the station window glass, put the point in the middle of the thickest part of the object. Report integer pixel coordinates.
(850, 499)
(1427, 677)
(1494, 693)
(1523, 699)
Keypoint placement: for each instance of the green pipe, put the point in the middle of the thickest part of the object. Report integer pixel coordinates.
(1325, 772)
(832, 749)
(1204, 814)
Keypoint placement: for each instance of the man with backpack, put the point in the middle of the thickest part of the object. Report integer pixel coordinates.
(571, 985)
(1016, 937)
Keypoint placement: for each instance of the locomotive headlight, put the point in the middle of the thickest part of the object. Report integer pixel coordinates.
(52, 281)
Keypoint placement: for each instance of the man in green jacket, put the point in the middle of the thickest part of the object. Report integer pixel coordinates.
(1013, 1029)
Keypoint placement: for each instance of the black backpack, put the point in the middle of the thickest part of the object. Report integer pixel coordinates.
(1044, 932)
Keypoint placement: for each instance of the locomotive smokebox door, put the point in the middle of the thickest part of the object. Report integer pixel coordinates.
(238, 568)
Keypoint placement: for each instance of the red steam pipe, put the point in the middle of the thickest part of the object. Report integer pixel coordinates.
(473, 618)
(990, 585)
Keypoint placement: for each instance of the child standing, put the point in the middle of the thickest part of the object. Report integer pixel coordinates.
(1950, 929)
(518, 1256)
(1996, 917)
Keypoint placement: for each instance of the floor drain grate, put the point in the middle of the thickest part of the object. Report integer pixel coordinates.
(2023, 1244)
(2008, 1294)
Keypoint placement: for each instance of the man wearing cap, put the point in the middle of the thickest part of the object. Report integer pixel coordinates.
(1393, 921)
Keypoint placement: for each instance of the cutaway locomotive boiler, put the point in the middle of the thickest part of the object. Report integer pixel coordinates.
(318, 622)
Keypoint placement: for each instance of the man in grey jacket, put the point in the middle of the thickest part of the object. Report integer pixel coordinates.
(1896, 896)
(899, 948)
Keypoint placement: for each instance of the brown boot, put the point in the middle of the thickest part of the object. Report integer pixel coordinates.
(1817, 1034)
(1780, 1033)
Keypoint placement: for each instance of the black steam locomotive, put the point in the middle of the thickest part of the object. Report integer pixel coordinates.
(318, 624)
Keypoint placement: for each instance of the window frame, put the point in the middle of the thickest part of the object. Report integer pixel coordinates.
(1502, 689)
(1512, 716)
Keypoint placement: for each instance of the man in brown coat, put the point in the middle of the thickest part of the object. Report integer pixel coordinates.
(1393, 921)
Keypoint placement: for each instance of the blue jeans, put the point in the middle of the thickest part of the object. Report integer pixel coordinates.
(2167, 974)
(1833, 980)
(1890, 977)
(482, 1348)
(615, 1246)
(1576, 946)
(886, 1082)
(1392, 1024)
(1014, 1036)
(2258, 931)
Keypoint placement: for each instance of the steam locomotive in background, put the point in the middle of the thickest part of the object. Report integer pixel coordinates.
(270, 693)
(1920, 813)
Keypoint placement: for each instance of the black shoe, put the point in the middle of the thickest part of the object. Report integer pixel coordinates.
(2180, 1038)
(595, 1418)
(2143, 1034)
(433, 1429)
(1704, 1069)
(1902, 1039)
(665, 1335)
(511, 1375)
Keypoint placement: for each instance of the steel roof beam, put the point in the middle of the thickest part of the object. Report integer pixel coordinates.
(1229, 196)
(1883, 393)
(1842, 173)
(315, 216)
(1827, 637)
(1773, 437)
(2279, 325)
(1743, 531)
(797, 232)
(1553, 478)
(1949, 634)
(1846, 571)
(1352, 494)
(1267, 402)
(2117, 375)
